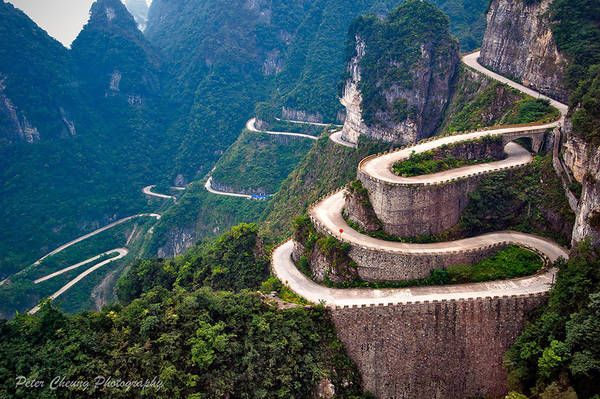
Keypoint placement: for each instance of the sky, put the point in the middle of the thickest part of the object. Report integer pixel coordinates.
(62, 19)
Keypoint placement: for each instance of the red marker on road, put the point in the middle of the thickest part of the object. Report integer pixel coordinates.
(341, 231)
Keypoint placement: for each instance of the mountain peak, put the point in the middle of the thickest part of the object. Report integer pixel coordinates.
(109, 14)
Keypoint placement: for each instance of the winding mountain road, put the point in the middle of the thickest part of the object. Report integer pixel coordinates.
(251, 126)
(93, 233)
(285, 269)
(210, 189)
(121, 253)
(148, 191)
(381, 167)
(327, 214)
(338, 139)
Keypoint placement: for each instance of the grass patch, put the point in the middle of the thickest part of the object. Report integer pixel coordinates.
(425, 163)
(510, 262)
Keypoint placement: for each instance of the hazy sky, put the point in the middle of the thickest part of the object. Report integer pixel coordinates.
(62, 19)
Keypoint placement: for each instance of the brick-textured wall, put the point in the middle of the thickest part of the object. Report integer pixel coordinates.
(439, 350)
(378, 265)
(410, 210)
(416, 209)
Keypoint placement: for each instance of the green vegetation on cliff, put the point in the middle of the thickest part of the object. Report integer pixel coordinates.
(528, 199)
(558, 354)
(479, 102)
(258, 163)
(447, 157)
(394, 44)
(196, 341)
(424, 163)
(576, 29)
(326, 167)
(310, 78)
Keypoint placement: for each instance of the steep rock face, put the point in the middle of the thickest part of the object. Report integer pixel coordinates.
(358, 208)
(299, 115)
(178, 240)
(354, 126)
(400, 73)
(583, 160)
(519, 43)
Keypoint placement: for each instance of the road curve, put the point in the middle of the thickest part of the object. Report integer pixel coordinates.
(95, 232)
(148, 191)
(73, 267)
(472, 61)
(381, 167)
(285, 269)
(337, 138)
(251, 126)
(327, 214)
(210, 189)
(121, 253)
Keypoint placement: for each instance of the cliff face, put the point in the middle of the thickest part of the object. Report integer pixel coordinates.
(37, 82)
(400, 74)
(354, 126)
(518, 43)
(582, 158)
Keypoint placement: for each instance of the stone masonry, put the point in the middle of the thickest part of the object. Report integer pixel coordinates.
(439, 350)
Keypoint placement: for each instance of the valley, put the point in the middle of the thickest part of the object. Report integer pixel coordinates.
(382, 199)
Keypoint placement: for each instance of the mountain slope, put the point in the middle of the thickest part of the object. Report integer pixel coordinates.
(37, 88)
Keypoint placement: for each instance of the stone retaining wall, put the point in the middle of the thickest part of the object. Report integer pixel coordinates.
(416, 209)
(411, 210)
(377, 265)
(439, 350)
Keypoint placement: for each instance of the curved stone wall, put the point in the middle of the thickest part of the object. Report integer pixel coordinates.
(445, 349)
(411, 210)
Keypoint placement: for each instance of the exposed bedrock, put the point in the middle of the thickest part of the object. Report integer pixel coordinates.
(519, 44)
(449, 349)
(397, 90)
(358, 208)
(582, 158)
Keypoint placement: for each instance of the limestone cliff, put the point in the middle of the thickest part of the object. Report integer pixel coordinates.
(518, 43)
(399, 74)
(582, 158)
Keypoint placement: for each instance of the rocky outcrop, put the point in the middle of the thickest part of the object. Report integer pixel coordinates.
(354, 126)
(583, 161)
(519, 44)
(139, 10)
(397, 90)
(178, 240)
(15, 126)
(299, 115)
(327, 260)
(358, 208)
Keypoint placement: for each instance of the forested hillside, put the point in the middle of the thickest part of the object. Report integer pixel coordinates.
(84, 130)
(195, 340)
(101, 125)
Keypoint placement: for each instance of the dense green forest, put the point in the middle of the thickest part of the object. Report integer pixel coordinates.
(173, 326)
(258, 163)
